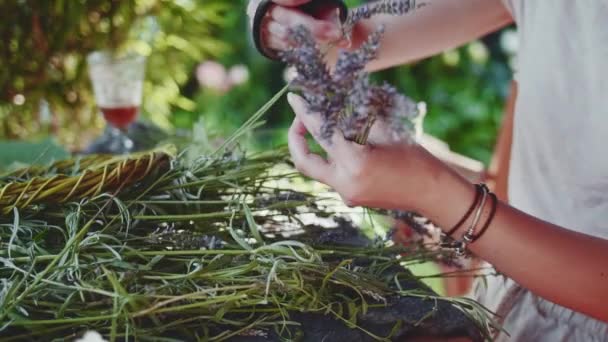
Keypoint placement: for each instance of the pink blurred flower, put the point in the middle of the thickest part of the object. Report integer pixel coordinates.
(211, 74)
(238, 74)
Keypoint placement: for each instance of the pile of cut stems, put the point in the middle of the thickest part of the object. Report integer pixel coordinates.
(154, 246)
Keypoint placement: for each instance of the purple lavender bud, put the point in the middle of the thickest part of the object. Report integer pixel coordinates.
(329, 128)
(391, 7)
(395, 109)
(351, 63)
(345, 99)
(306, 57)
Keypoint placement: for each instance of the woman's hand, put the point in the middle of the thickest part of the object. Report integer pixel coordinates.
(386, 174)
(283, 16)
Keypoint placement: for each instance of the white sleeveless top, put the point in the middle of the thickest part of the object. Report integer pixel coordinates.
(559, 162)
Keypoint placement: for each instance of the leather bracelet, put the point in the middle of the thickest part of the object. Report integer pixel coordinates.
(478, 194)
(459, 246)
(470, 233)
(489, 220)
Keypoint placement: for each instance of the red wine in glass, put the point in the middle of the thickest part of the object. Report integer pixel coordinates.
(120, 117)
(117, 81)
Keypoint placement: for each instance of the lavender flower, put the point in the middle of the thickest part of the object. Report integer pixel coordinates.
(398, 109)
(350, 64)
(391, 7)
(346, 99)
(313, 77)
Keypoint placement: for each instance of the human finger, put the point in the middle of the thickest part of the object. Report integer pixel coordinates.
(336, 147)
(322, 30)
(312, 121)
(382, 134)
(275, 43)
(276, 29)
(309, 164)
(275, 36)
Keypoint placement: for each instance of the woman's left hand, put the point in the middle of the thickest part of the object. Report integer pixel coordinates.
(404, 176)
(383, 174)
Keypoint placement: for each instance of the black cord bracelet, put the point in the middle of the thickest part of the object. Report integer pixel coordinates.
(478, 193)
(490, 218)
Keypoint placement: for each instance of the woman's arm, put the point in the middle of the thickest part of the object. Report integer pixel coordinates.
(560, 265)
(565, 267)
(435, 27)
(438, 26)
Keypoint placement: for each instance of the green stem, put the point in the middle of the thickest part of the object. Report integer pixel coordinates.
(76, 238)
(253, 119)
(28, 323)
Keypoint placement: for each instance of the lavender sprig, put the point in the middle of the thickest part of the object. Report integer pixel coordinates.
(351, 64)
(313, 77)
(346, 99)
(391, 7)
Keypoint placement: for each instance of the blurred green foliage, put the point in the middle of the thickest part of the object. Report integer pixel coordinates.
(464, 89)
(45, 43)
(16, 154)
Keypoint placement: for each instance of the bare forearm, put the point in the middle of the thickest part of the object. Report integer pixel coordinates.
(436, 27)
(560, 265)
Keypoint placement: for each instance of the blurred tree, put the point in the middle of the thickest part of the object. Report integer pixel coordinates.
(43, 76)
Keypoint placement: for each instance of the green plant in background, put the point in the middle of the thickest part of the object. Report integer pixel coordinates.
(44, 86)
(41, 57)
(47, 91)
(464, 89)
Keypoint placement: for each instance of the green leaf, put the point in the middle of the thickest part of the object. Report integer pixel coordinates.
(239, 239)
(253, 227)
(353, 312)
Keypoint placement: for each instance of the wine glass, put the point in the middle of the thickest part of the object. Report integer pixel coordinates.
(118, 87)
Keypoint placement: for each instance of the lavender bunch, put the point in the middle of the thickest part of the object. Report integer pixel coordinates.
(346, 98)
(313, 78)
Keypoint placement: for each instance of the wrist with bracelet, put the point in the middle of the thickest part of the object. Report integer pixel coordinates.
(460, 245)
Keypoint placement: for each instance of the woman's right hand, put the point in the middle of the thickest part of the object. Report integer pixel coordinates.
(284, 15)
